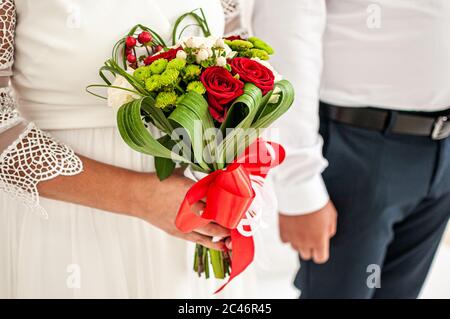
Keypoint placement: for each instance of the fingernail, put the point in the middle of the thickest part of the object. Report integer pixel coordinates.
(216, 239)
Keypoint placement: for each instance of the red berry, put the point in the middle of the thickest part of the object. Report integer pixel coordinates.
(158, 48)
(128, 51)
(147, 60)
(145, 37)
(131, 58)
(130, 42)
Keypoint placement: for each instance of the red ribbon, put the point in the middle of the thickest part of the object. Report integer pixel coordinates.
(228, 195)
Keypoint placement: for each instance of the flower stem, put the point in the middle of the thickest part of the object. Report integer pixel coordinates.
(217, 263)
(179, 89)
(146, 49)
(196, 259)
(206, 261)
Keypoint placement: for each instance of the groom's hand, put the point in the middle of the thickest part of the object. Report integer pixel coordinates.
(310, 234)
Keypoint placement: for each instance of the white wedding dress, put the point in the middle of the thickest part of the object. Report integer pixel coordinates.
(80, 252)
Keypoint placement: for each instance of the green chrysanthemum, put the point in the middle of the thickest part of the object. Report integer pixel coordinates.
(169, 77)
(196, 86)
(166, 99)
(262, 45)
(153, 83)
(191, 72)
(159, 66)
(142, 73)
(239, 45)
(177, 64)
(256, 53)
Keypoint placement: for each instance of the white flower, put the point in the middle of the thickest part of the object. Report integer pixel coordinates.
(202, 55)
(210, 41)
(192, 42)
(221, 61)
(199, 42)
(220, 43)
(181, 55)
(119, 97)
(278, 76)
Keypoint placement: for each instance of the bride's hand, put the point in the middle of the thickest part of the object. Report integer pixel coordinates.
(142, 195)
(159, 203)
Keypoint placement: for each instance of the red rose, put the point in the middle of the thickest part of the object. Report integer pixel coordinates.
(168, 55)
(222, 89)
(233, 37)
(254, 72)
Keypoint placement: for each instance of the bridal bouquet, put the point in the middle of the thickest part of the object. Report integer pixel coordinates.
(202, 103)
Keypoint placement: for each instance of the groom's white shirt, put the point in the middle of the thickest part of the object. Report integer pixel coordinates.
(384, 53)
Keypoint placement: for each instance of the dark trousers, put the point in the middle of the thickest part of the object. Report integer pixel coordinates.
(392, 194)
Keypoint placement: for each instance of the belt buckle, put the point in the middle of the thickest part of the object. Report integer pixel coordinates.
(441, 128)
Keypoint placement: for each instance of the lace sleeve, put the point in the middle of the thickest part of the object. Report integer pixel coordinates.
(233, 18)
(7, 25)
(27, 154)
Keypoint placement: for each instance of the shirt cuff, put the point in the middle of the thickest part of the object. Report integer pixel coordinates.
(304, 198)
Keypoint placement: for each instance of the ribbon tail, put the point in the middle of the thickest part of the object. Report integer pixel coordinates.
(242, 255)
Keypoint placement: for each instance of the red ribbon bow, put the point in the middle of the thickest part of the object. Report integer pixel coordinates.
(229, 194)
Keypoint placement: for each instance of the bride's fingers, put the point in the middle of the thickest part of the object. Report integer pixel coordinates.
(198, 208)
(228, 243)
(213, 230)
(205, 241)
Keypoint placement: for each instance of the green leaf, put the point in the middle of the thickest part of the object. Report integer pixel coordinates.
(159, 118)
(201, 22)
(244, 108)
(240, 117)
(270, 112)
(192, 114)
(137, 136)
(262, 106)
(164, 166)
(114, 68)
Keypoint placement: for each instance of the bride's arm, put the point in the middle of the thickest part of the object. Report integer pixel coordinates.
(127, 192)
(32, 163)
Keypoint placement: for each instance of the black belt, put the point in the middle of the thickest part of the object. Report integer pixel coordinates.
(435, 125)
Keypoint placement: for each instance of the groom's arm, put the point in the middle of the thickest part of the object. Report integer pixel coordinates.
(295, 28)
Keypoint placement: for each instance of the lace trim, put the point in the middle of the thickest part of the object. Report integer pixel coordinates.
(35, 157)
(9, 116)
(7, 27)
(230, 9)
(243, 32)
